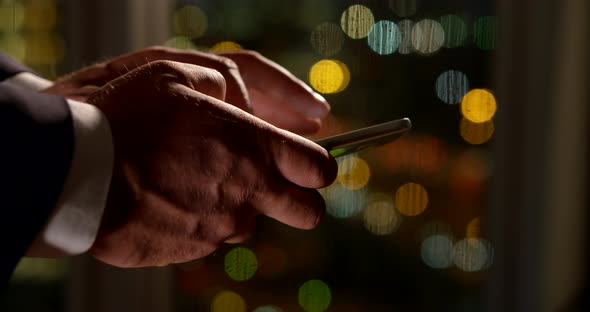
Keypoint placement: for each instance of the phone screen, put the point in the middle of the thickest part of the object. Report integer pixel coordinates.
(365, 138)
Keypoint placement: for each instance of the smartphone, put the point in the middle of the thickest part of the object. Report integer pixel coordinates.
(364, 138)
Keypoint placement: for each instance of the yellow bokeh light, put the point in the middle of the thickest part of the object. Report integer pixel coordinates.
(478, 105)
(190, 21)
(13, 45)
(380, 216)
(180, 42)
(228, 301)
(356, 21)
(353, 173)
(226, 46)
(40, 15)
(329, 76)
(11, 16)
(474, 228)
(44, 48)
(411, 199)
(476, 133)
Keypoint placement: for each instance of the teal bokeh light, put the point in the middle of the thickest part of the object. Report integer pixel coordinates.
(384, 37)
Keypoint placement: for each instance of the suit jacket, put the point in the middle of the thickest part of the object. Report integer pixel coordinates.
(36, 146)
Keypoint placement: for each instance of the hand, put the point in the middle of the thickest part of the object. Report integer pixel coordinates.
(258, 85)
(191, 171)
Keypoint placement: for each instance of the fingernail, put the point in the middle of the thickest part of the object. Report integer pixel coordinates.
(319, 97)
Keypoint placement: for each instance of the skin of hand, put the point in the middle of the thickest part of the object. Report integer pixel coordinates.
(254, 84)
(192, 172)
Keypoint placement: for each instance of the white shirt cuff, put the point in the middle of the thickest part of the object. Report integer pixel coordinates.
(28, 81)
(74, 224)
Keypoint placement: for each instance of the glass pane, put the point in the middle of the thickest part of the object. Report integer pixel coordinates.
(404, 224)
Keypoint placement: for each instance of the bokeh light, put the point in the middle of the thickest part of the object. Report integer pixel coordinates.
(472, 254)
(411, 199)
(476, 133)
(384, 37)
(478, 105)
(473, 229)
(240, 264)
(403, 8)
(41, 15)
(342, 202)
(484, 32)
(190, 21)
(314, 296)
(451, 86)
(380, 216)
(329, 76)
(467, 177)
(44, 48)
(181, 42)
(353, 173)
(356, 21)
(228, 301)
(455, 29)
(327, 39)
(226, 46)
(405, 28)
(268, 308)
(12, 17)
(13, 45)
(39, 269)
(428, 36)
(437, 251)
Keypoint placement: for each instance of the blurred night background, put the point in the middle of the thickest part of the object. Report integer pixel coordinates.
(410, 225)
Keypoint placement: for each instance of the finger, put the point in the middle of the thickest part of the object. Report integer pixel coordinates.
(282, 116)
(301, 161)
(292, 205)
(246, 231)
(202, 79)
(269, 77)
(237, 93)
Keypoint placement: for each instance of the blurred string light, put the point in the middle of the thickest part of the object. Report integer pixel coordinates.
(467, 176)
(327, 39)
(478, 105)
(228, 301)
(403, 8)
(428, 36)
(455, 29)
(226, 46)
(384, 37)
(473, 254)
(268, 308)
(473, 229)
(181, 42)
(380, 216)
(476, 133)
(329, 76)
(420, 154)
(240, 264)
(411, 199)
(356, 21)
(353, 173)
(405, 28)
(342, 202)
(314, 296)
(39, 269)
(190, 21)
(12, 16)
(437, 251)
(484, 32)
(451, 86)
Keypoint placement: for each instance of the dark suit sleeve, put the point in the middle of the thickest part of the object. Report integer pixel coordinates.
(36, 146)
(9, 67)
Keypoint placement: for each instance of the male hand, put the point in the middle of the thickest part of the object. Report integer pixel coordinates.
(254, 84)
(191, 171)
